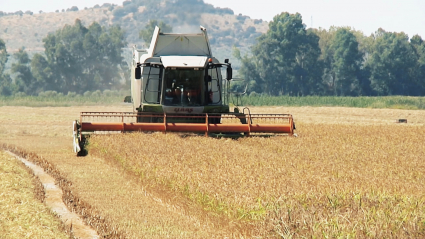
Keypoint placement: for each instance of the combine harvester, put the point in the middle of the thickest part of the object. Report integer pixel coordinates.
(177, 86)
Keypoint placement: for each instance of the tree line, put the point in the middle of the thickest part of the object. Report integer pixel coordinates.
(292, 60)
(76, 59)
(286, 60)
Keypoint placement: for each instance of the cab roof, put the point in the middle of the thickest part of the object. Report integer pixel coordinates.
(174, 44)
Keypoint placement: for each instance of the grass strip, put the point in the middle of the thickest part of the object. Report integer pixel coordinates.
(22, 212)
(59, 101)
(392, 102)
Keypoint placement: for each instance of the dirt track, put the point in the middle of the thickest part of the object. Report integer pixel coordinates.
(54, 201)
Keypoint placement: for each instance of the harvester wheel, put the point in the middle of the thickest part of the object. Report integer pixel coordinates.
(76, 136)
(83, 151)
(79, 140)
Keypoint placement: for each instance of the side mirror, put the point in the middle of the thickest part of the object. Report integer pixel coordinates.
(229, 72)
(138, 72)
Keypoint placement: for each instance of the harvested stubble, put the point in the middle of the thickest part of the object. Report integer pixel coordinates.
(333, 180)
(22, 213)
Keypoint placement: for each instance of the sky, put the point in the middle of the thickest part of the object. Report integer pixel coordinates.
(364, 15)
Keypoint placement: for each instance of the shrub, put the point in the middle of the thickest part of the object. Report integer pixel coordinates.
(72, 9)
(97, 93)
(71, 94)
(258, 21)
(48, 94)
(241, 18)
(251, 30)
(119, 12)
(20, 94)
(108, 93)
(87, 94)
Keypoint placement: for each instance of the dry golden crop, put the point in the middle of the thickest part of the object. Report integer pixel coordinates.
(333, 180)
(351, 172)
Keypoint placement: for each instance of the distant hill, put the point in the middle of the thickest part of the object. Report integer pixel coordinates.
(224, 28)
(29, 30)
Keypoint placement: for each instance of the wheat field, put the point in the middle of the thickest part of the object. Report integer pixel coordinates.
(351, 173)
(338, 181)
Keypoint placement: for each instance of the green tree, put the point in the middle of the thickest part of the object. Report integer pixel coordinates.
(147, 32)
(248, 72)
(344, 51)
(5, 80)
(419, 70)
(6, 85)
(83, 59)
(346, 63)
(24, 79)
(308, 67)
(3, 56)
(327, 53)
(392, 64)
(286, 58)
(42, 73)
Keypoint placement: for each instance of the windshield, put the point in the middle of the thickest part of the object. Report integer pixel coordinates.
(183, 86)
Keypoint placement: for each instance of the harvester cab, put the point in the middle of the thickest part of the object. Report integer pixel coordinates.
(178, 86)
(178, 74)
